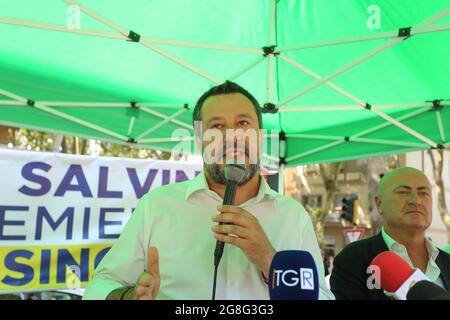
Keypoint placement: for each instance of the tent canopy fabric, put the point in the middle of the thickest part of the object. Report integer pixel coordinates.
(339, 80)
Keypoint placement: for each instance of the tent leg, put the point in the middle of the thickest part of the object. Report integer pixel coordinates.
(281, 179)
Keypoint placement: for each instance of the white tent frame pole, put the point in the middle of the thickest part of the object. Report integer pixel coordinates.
(365, 57)
(13, 96)
(74, 104)
(11, 103)
(160, 140)
(309, 152)
(54, 27)
(131, 125)
(440, 125)
(59, 114)
(346, 68)
(162, 116)
(434, 18)
(356, 139)
(346, 108)
(272, 21)
(159, 125)
(80, 121)
(113, 35)
(405, 128)
(270, 57)
(423, 27)
(269, 157)
(431, 28)
(180, 61)
(387, 124)
(389, 143)
(282, 155)
(270, 79)
(379, 36)
(98, 17)
(160, 105)
(199, 45)
(247, 68)
(146, 43)
(318, 77)
(358, 135)
(281, 179)
(318, 108)
(313, 136)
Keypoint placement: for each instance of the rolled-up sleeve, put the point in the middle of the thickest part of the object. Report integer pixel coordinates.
(126, 260)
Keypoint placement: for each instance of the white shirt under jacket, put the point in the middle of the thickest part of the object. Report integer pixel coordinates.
(176, 218)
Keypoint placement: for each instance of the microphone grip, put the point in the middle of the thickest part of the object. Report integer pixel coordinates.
(228, 199)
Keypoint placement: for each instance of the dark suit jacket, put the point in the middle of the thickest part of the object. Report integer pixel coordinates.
(349, 276)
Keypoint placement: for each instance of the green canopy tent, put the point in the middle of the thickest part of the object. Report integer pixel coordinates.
(338, 80)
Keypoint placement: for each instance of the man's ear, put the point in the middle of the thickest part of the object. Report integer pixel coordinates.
(378, 204)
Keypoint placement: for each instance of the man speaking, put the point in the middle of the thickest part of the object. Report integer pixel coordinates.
(166, 250)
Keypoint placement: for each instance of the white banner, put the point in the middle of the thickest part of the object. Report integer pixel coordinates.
(60, 214)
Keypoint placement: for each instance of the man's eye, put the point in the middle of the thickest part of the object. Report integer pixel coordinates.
(216, 126)
(243, 123)
(425, 193)
(403, 192)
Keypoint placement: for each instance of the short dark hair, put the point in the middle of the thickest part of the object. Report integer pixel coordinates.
(225, 88)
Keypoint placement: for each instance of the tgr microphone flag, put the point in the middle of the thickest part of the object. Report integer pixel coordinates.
(293, 276)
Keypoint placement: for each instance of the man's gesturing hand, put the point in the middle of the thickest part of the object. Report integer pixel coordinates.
(249, 235)
(147, 286)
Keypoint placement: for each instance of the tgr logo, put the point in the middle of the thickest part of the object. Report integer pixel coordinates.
(304, 278)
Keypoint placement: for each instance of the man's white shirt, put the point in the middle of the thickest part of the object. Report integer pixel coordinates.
(176, 219)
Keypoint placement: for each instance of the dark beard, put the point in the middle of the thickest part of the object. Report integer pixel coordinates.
(217, 174)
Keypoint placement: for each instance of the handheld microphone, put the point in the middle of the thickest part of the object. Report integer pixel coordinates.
(234, 174)
(396, 276)
(427, 290)
(293, 276)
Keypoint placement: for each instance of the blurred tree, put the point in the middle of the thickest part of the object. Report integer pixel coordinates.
(437, 163)
(329, 173)
(21, 138)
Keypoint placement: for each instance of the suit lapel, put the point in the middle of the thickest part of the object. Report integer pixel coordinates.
(378, 245)
(444, 266)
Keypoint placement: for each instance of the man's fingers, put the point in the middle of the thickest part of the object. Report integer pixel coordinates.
(232, 218)
(153, 262)
(234, 209)
(142, 290)
(145, 280)
(238, 242)
(232, 229)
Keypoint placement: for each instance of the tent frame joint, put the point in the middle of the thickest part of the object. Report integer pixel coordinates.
(269, 50)
(404, 32)
(269, 107)
(134, 36)
(438, 146)
(131, 140)
(186, 106)
(368, 106)
(436, 104)
(31, 103)
(347, 138)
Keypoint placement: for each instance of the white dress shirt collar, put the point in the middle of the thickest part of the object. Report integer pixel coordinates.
(200, 183)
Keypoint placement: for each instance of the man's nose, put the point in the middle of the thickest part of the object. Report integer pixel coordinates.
(415, 199)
